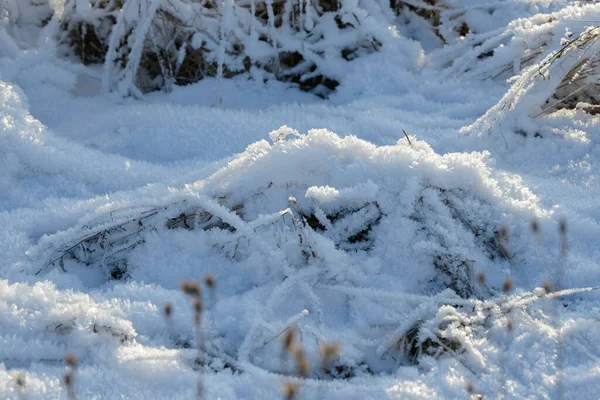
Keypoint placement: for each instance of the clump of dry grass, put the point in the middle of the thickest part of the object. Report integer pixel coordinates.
(413, 344)
(578, 63)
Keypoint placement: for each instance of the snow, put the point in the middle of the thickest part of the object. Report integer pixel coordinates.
(317, 216)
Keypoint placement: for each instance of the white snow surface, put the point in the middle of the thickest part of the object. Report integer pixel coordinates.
(76, 161)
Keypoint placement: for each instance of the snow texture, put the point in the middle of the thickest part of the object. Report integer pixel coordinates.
(386, 218)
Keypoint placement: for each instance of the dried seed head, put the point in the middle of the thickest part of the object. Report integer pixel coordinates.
(470, 387)
(210, 281)
(288, 340)
(70, 360)
(290, 390)
(507, 285)
(20, 381)
(330, 351)
(191, 288)
(168, 309)
(68, 379)
(481, 277)
(301, 362)
(562, 226)
(510, 325)
(535, 226)
(547, 286)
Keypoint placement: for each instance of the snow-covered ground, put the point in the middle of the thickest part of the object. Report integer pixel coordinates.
(314, 216)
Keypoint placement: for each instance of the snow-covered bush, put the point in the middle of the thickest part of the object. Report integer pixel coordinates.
(465, 23)
(506, 50)
(326, 218)
(152, 44)
(556, 63)
(441, 212)
(86, 26)
(148, 45)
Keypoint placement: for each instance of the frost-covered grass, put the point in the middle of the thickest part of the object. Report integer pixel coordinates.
(317, 217)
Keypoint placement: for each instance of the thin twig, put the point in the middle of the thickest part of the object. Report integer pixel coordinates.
(407, 138)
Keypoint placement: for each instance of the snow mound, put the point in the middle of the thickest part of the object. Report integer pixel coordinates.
(307, 223)
(311, 199)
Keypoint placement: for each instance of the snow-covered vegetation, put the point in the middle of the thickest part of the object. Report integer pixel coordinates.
(299, 199)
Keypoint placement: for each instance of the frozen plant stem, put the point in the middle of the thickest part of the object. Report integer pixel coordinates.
(287, 345)
(535, 229)
(168, 313)
(507, 287)
(562, 229)
(407, 138)
(194, 290)
(69, 376)
(211, 284)
(199, 341)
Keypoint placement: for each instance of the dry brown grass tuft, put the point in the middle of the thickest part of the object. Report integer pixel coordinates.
(191, 288)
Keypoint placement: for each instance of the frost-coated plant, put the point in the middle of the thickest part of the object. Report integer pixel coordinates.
(323, 231)
(150, 45)
(549, 60)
